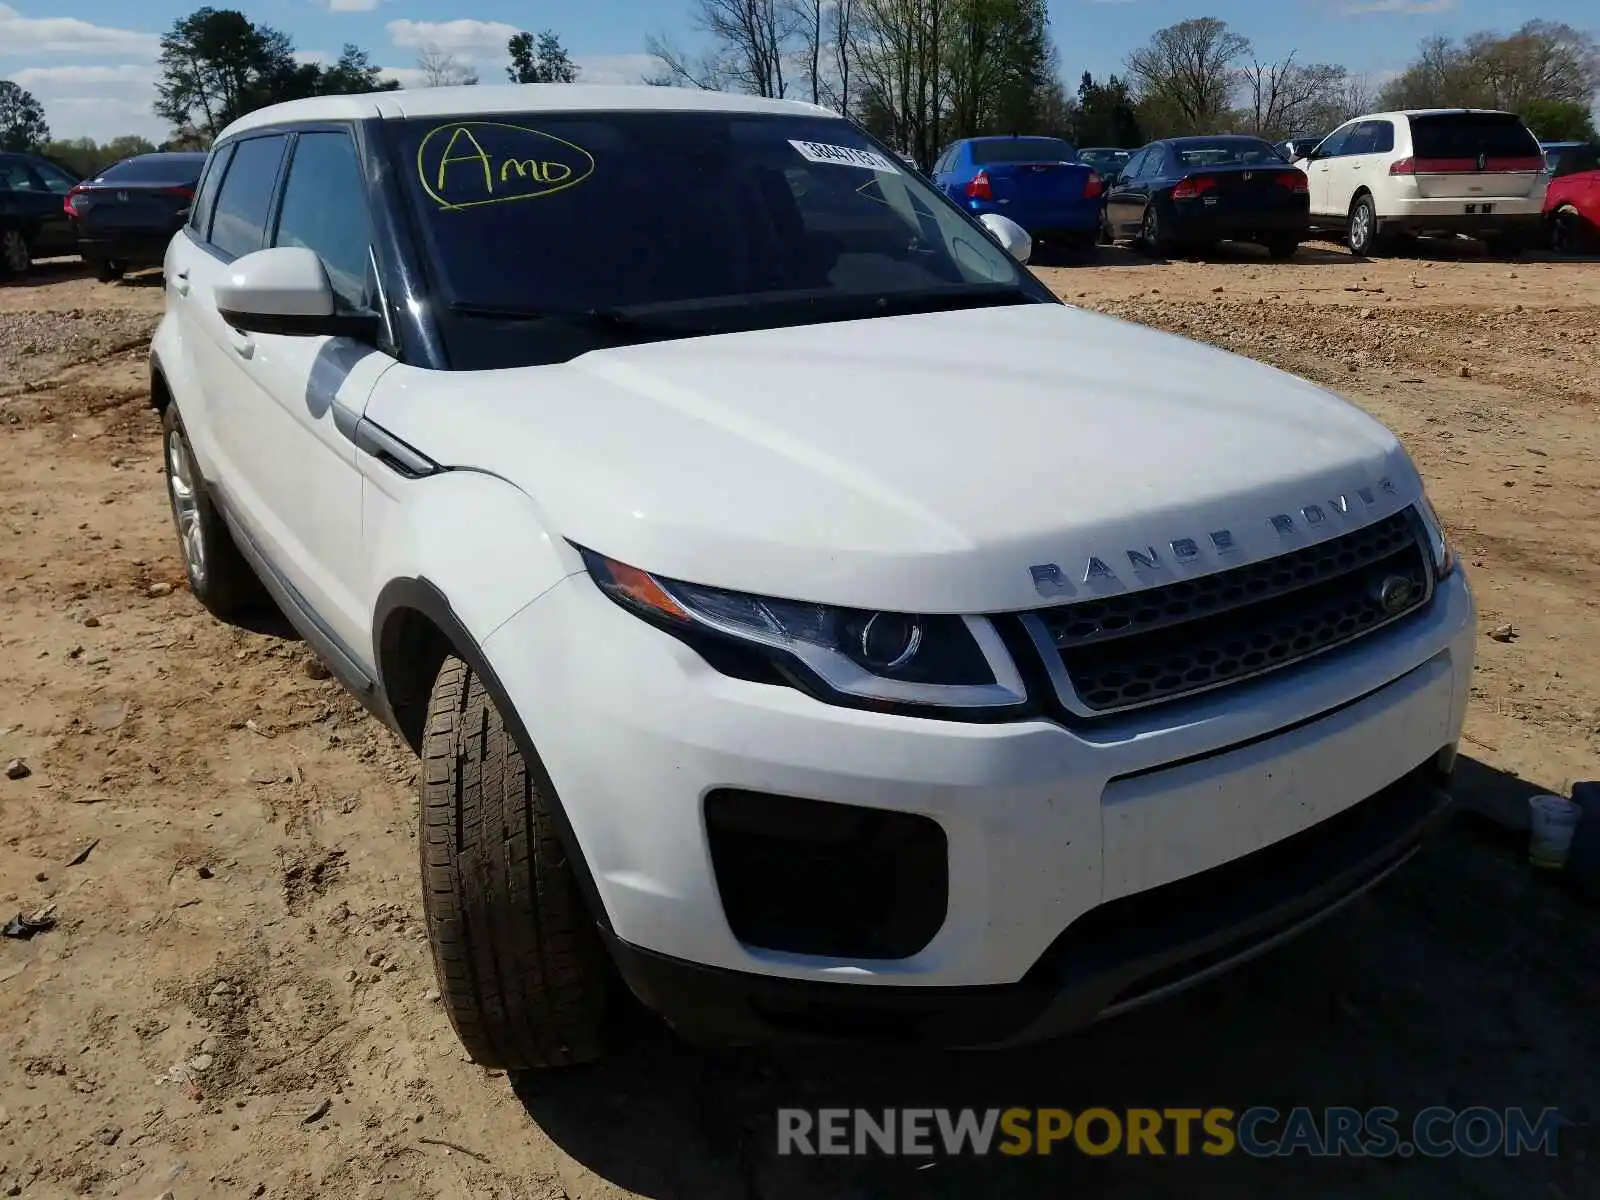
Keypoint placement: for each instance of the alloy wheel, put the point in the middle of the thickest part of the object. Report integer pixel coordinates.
(183, 480)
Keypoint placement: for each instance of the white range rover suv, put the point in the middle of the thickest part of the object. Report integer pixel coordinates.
(1396, 175)
(806, 621)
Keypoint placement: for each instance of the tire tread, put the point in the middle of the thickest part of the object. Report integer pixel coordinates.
(514, 952)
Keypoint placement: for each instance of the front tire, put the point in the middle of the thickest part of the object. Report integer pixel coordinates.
(219, 576)
(1363, 228)
(520, 969)
(16, 256)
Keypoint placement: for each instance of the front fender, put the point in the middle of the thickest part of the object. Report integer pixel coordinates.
(478, 540)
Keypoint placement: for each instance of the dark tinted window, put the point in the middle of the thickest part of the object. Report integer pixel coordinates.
(325, 209)
(1382, 136)
(1225, 152)
(155, 168)
(1334, 144)
(55, 178)
(1022, 149)
(1468, 135)
(15, 176)
(239, 223)
(216, 168)
(1573, 159)
(600, 210)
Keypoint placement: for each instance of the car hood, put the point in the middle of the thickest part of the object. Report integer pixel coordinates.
(966, 461)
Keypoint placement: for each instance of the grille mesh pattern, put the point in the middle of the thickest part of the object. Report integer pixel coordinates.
(1168, 641)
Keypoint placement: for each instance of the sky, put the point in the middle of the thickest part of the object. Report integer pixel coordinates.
(91, 63)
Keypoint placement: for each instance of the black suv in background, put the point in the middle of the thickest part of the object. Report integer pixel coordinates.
(33, 219)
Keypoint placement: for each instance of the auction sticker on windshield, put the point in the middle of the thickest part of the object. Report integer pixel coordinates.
(843, 156)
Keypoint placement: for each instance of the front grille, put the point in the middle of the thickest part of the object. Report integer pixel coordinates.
(1127, 651)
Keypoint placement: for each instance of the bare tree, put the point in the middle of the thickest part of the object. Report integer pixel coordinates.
(675, 67)
(1188, 68)
(1542, 60)
(752, 41)
(809, 20)
(844, 25)
(898, 58)
(1288, 97)
(441, 69)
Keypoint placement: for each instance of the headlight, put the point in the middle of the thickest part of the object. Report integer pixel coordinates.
(1444, 558)
(878, 659)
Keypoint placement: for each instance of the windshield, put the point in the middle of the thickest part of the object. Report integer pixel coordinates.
(687, 212)
(1225, 152)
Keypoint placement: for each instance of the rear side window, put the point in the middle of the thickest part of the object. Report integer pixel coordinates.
(15, 176)
(217, 167)
(1471, 135)
(325, 210)
(1022, 149)
(1382, 137)
(240, 222)
(155, 168)
(55, 179)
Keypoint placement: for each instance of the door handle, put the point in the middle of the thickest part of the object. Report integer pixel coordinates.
(243, 344)
(180, 282)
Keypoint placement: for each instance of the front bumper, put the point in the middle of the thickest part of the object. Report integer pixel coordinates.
(1117, 957)
(1045, 826)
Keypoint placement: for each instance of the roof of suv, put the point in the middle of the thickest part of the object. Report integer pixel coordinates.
(514, 98)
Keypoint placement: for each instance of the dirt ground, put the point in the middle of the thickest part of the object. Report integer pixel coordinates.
(237, 1000)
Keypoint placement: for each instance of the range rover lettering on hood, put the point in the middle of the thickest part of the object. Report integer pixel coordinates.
(1050, 580)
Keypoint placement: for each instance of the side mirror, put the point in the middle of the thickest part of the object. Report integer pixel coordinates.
(1013, 238)
(286, 291)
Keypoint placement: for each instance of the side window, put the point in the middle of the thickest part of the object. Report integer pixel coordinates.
(325, 210)
(1382, 137)
(206, 197)
(239, 224)
(1155, 163)
(14, 176)
(1363, 140)
(1130, 169)
(1334, 144)
(55, 179)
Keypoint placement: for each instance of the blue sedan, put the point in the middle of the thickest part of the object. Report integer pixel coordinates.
(1038, 182)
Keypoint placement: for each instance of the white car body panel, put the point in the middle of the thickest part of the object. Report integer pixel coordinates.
(920, 463)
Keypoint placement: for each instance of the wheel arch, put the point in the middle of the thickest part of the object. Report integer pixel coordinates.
(414, 629)
(1362, 192)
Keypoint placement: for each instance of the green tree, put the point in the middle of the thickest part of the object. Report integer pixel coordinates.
(22, 123)
(352, 75)
(1185, 75)
(539, 60)
(1559, 121)
(88, 157)
(1106, 114)
(216, 65)
(1541, 60)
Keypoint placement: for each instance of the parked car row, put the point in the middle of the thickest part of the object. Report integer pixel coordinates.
(1378, 182)
(119, 219)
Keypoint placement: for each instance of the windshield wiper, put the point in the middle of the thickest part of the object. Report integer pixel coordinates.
(600, 318)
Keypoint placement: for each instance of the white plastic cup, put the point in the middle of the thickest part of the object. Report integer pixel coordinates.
(1553, 821)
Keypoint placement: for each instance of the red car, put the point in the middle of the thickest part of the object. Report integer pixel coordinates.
(1572, 210)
